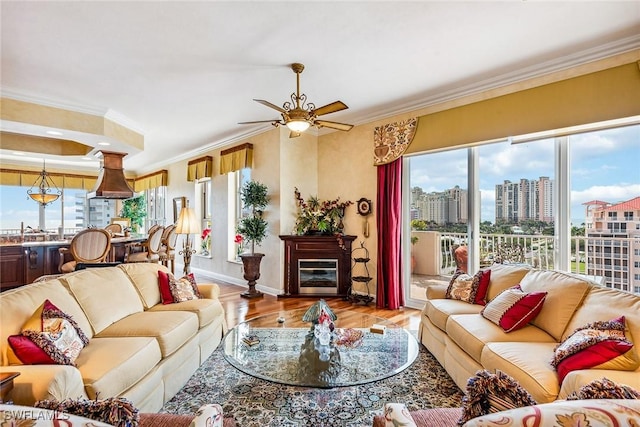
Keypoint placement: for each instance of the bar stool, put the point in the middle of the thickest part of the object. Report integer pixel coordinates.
(150, 248)
(88, 246)
(167, 250)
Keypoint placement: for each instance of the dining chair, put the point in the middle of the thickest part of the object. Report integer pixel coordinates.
(149, 249)
(167, 249)
(114, 228)
(91, 245)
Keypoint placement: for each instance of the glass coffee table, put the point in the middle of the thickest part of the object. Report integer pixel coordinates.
(280, 347)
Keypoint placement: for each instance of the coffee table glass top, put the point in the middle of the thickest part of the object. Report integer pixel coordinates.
(284, 350)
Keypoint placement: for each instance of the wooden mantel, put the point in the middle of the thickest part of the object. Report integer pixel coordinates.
(316, 247)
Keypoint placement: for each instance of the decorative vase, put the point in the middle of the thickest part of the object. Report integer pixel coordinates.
(251, 264)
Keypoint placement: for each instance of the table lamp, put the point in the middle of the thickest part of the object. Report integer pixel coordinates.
(187, 224)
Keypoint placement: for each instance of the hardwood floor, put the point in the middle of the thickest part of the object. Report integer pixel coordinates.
(238, 309)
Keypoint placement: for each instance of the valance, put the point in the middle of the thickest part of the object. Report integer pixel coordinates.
(152, 180)
(604, 95)
(236, 158)
(392, 140)
(26, 178)
(200, 168)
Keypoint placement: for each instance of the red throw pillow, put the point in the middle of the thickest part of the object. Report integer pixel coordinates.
(165, 290)
(601, 345)
(513, 309)
(28, 352)
(483, 277)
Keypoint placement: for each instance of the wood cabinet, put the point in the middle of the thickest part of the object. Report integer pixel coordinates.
(11, 267)
(330, 255)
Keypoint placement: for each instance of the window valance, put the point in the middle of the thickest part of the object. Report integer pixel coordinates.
(26, 178)
(604, 95)
(392, 140)
(152, 180)
(200, 168)
(236, 158)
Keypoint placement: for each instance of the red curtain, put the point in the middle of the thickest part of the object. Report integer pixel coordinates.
(390, 292)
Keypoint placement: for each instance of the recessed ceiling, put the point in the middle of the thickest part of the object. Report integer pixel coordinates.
(185, 73)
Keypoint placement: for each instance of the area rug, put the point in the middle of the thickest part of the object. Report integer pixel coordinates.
(253, 402)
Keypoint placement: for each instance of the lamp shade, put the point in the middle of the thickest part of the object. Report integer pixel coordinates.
(298, 125)
(187, 222)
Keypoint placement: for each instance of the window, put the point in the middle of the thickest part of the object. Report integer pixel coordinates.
(156, 200)
(236, 210)
(203, 187)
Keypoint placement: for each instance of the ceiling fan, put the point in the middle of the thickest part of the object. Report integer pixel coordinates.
(299, 114)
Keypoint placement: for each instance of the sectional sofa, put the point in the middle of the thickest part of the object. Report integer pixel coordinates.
(464, 341)
(138, 348)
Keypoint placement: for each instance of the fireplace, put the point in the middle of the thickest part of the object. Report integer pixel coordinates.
(318, 276)
(317, 266)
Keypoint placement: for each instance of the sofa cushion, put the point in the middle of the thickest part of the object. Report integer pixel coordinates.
(528, 362)
(171, 329)
(207, 310)
(600, 345)
(487, 393)
(439, 310)
(471, 332)
(144, 277)
(110, 366)
(105, 294)
(565, 293)
(513, 309)
(575, 380)
(570, 413)
(504, 276)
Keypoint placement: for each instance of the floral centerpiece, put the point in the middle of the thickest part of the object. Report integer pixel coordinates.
(205, 245)
(319, 217)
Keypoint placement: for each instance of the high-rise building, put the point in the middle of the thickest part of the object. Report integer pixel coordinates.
(526, 199)
(613, 243)
(440, 207)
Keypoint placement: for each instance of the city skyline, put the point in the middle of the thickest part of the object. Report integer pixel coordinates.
(604, 167)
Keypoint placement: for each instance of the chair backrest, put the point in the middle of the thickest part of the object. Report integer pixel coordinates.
(90, 245)
(114, 228)
(169, 237)
(153, 228)
(154, 241)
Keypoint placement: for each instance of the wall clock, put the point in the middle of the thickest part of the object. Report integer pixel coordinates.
(364, 206)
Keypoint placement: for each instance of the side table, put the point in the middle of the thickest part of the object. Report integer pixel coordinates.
(6, 383)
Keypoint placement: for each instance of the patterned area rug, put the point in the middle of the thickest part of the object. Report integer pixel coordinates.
(258, 403)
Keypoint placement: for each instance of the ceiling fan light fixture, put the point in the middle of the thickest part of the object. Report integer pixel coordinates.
(298, 125)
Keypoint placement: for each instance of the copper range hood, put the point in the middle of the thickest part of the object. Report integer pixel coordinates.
(111, 182)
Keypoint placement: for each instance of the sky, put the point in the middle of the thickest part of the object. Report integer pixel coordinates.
(605, 165)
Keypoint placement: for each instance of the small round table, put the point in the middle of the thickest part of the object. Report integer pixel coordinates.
(280, 347)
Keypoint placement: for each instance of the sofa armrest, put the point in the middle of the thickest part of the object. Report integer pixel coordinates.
(39, 382)
(209, 290)
(436, 290)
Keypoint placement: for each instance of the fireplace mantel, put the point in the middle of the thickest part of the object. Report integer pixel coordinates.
(316, 247)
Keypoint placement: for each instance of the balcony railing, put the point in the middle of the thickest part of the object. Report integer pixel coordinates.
(589, 256)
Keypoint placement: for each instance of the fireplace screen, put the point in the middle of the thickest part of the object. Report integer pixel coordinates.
(318, 276)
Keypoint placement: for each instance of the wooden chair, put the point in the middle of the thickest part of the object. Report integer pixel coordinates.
(168, 248)
(88, 246)
(114, 228)
(149, 249)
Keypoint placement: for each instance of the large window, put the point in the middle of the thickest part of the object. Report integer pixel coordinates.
(203, 187)
(542, 202)
(156, 200)
(236, 210)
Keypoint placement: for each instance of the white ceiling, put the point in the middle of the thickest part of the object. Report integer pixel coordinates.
(184, 73)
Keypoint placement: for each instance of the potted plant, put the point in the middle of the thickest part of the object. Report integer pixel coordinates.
(253, 228)
(135, 209)
(414, 240)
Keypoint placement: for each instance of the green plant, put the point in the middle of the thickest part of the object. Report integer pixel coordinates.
(414, 240)
(135, 209)
(253, 227)
(324, 217)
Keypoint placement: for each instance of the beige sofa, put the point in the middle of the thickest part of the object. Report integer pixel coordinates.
(139, 348)
(464, 341)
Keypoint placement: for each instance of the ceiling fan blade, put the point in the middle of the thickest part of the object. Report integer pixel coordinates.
(293, 134)
(270, 105)
(330, 108)
(333, 125)
(260, 121)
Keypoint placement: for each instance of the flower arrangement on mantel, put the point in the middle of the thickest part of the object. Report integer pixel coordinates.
(319, 217)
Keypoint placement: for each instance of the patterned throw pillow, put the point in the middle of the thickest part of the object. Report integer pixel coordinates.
(469, 289)
(512, 309)
(489, 393)
(601, 345)
(184, 288)
(604, 389)
(116, 411)
(50, 336)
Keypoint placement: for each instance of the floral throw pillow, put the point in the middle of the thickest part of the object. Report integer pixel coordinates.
(461, 288)
(184, 288)
(513, 308)
(49, 336)
(601, 345)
